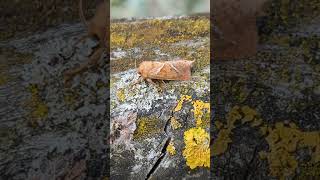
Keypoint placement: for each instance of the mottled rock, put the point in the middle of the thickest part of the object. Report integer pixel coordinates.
(163, 115)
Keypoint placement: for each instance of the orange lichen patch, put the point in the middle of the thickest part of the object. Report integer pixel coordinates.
(197, 151)
(166, 70)
(181, 101)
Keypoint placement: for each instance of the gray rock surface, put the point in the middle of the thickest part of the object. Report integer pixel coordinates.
(51, 131)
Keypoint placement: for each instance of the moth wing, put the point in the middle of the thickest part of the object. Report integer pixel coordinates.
(158, 69)
(155, 72)
(173, 67)
(170, 70)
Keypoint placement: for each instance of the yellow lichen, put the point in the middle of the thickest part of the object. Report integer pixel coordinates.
(198, 108)
(121, 95)
(249, 114)
(41, 110)
(164, 35)
(220, 144)
(171, 149)
(283, 142)
(175, 124)
(157, 32)
(117, 39)
(197, 151)
(201, 110)
(181, 101)
(245, 114)
(218, 124)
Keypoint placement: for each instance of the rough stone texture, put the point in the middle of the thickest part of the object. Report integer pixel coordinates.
(267, 108)
(49, 130)
(52, 131)
(23, 17)
(145, 155)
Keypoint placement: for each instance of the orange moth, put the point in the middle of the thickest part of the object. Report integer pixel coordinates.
(165, 70)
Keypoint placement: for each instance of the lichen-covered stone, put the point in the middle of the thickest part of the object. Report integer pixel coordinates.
(50, 126)
(265, 118)
(164, 115)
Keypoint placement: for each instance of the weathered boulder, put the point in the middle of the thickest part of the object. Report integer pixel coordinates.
(267, 107)
(49, 130)
(159, 144)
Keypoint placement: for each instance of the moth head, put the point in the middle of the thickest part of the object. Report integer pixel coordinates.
(139, 71)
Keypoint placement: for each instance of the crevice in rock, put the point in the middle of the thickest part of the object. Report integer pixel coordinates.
(163, 153)
(165, 129)
(164, 148)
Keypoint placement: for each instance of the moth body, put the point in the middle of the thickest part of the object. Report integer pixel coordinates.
(166, 70)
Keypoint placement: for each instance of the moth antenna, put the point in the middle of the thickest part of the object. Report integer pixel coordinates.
(135, 63)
